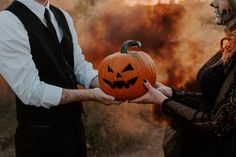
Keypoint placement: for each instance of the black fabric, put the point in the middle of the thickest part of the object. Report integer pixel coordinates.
(61, 141)
(208, 131)
(55, 64)
(191, 99)
(49, 23)
(210, 79)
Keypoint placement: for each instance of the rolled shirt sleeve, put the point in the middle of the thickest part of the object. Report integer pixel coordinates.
(51, 95)
(18, 68)
(83, 69)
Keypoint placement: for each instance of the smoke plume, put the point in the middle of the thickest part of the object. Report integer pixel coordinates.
(179, 38)
(174, 35)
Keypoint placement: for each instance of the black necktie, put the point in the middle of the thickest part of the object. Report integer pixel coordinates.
(49, 24)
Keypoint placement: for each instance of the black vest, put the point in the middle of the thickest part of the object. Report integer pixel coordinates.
(55, 63)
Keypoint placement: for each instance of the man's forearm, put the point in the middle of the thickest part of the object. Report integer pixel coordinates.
(72, 95)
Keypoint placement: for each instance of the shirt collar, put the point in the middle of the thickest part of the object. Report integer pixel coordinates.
(36, 8)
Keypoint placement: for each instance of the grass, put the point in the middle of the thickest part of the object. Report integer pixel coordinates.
(7, 129)
(115, 129)
(109, 130)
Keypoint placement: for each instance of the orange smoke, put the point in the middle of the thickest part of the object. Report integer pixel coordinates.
(167, 33)
(179, 38)
(173, 35)
(4, 3)
(157, 27)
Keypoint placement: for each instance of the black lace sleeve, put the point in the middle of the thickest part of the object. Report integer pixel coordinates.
(191, 99)
(218, 121)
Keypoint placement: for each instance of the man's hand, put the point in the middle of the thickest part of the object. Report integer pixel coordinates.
(101, 97)
(96, 94)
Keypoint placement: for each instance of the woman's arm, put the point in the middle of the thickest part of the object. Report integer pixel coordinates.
(191, 99)
(217, 122)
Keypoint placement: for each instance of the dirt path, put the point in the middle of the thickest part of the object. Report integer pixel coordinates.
(153, 147)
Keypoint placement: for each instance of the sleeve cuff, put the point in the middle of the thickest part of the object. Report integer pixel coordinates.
(91, 76)
(51, 96)
(174, 93)
(165, 106)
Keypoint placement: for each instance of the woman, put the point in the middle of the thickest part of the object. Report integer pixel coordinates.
(203, 124)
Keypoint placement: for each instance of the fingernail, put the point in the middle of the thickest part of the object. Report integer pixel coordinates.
(145, 81)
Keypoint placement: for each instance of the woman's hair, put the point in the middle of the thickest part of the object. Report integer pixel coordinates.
(228, 44)
(233, 4)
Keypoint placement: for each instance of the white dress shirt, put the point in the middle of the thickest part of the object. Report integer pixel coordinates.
(18, 68)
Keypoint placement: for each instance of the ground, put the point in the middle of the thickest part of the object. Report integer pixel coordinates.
(150, 145)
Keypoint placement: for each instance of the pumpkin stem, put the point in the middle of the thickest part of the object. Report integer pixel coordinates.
(128, 43)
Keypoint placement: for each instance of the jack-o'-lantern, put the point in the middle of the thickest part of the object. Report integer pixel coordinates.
(121, 74)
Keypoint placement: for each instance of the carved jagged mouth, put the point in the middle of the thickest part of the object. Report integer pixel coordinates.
(121, 84)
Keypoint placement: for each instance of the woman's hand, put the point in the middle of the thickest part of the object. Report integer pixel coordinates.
(167, 91)
(153, 96)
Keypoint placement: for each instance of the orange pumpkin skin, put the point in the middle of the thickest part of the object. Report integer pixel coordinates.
(121, 74)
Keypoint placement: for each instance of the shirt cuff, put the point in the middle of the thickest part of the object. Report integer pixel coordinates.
(91, 76)
(165, 108)
(174, 93)
(51, 96)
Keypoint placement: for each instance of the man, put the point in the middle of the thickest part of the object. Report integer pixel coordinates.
(42, 62)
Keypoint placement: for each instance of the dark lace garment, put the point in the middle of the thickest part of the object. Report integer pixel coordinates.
(207, 119)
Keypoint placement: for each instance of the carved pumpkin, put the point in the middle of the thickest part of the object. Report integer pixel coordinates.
(121, 74)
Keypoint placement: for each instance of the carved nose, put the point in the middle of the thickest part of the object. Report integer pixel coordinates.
(118, 75)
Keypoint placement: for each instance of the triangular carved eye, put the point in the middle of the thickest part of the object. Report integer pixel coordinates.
(109, 69)
(128, 67)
